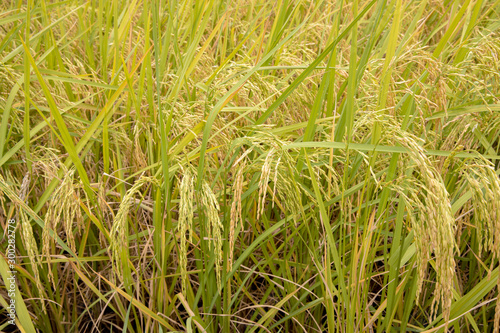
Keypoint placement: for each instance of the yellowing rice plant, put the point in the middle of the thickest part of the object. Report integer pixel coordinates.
(250, 166)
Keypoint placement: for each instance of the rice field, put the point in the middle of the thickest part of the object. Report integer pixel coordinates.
(250, 166)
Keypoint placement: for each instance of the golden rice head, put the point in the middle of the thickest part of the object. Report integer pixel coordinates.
(429, 211)
(484, 184)
(32, 250)
(235, 212)
(276, 166)
(264, 180)
(139, 158)
(434, 223)
(185, 223)
(275, 179)
(27, 231)
(290, 194)
(27, 235)
(279, 165)
(409, 192)
(460, 130)
(119, 230)
(443, 243)
(101, 198)
(105, 212)
(215, 228)
(64, 207)
(63, 210)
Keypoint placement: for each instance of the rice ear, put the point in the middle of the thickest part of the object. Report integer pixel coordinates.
(119, 230)
(264, 180)
(214, 228)
(235, 212)
(432, 220)
(482, 181)
(185, 222)
(26, 229)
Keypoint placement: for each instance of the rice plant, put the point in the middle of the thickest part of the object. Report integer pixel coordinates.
(250, 166)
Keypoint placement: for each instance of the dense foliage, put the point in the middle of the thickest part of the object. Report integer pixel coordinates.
(243, 166)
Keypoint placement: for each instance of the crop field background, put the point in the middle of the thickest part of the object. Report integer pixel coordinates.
(250, 165)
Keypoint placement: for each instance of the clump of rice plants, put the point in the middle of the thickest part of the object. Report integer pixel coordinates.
(250, 166)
